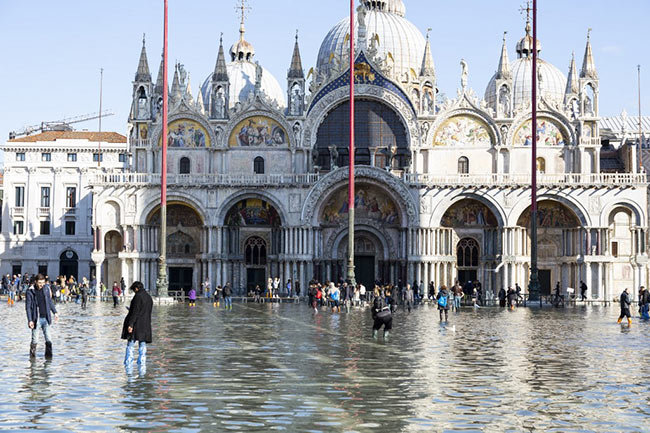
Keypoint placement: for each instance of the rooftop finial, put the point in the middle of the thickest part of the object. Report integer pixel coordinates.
(527, 10)
(504, 36)
(429, 31)
(589, 33)
(143, 38)
(221, 39)
(242, 10)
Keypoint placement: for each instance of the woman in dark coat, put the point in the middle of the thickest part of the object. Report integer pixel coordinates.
(137, 324)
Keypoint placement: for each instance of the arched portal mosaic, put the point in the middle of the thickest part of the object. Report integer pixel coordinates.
(370, 202)
(550, 214)
(462, 131)
(469, 213)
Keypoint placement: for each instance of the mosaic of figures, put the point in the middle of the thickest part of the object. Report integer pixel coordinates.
(548, 134)
(177, 215)
(462, 131)
(550, 214)
(468, 213)
(187, 133)
(253, 212)
(370, 202)
(258, 131)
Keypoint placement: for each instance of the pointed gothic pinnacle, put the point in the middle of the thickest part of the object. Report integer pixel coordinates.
(428, 69)
(572, 80)
(220, 70)
(503, 72)
(295, 70)
(143, 73)
(588, 64)
(159, 80)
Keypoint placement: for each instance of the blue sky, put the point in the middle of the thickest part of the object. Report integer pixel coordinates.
(52, 51)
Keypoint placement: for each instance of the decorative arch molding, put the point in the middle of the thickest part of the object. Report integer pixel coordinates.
(68, 248)
(331, 248)
(443, 206)
(255, 111)
(570, 202)
(481, 116)
(100, 205)
(250, 193)
(639, 214)
(172, 196)
(362, 91)
(563, 122)
(315, 200)
(190, 115)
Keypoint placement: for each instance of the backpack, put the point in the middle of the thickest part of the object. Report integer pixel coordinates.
(442, 301)
(319, 294)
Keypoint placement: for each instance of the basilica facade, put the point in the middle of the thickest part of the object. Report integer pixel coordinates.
(257, 183)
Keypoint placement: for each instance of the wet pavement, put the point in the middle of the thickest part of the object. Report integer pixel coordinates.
(270, 367)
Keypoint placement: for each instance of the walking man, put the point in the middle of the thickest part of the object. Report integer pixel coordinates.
(39, 308)
(583, 291)
(137, 325)
(625, 307)
(227, 296)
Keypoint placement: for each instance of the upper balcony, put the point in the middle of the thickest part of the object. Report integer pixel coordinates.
(415, 179)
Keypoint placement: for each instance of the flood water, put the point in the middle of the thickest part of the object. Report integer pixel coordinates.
(269, 367)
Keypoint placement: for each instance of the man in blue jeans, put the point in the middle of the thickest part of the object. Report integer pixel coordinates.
(137, 325)
(227, 296)
(39, 308)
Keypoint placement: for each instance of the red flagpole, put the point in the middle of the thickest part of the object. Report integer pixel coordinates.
(162, 283)
(351, 275)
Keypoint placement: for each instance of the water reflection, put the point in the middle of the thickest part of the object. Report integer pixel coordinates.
(264, 367)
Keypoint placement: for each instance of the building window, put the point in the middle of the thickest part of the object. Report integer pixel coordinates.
(98, 157)
(45, 196)
(72, 157)
(69, 227)
(463, 165)
(258, 165)
(615, 249)
(45, 227)
(20, 156)
(124, 157)
(19, 227)
(71, 196)
(20, 196)
(184, 166)
(541, 165)
(46, 157)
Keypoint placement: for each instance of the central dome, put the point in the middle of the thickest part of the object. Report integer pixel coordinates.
(396, 34)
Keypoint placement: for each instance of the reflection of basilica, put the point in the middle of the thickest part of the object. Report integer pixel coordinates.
(258, 185)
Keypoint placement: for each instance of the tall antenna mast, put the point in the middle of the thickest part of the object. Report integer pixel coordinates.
(101, 85)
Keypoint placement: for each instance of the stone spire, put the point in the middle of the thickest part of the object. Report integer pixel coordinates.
(296, 71)
(504, 63)
(428, 69)
(220, 70)
(200, 105)
(143, 73)
(588, 65)
(176, 93)
(572, 85)
(159, 81)
(188, 91)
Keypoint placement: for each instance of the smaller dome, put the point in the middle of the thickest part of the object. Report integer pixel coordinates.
(242, 50)
(525, 44)
(392, 6)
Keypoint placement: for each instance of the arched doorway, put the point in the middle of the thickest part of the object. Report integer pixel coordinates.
(467, 260)
(369, 258)
(255, 249)
(254, 242)
(473, 224)
(184, 234)
(560, 243)
(112, 246)
(69, 264)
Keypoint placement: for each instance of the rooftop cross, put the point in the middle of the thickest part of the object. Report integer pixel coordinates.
(242, 10)
(527, 10)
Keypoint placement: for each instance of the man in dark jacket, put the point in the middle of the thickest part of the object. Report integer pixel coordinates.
(644, 303)
(625, 307)
(502, 297)
(137, 324)
(381, 316)
(39, 308)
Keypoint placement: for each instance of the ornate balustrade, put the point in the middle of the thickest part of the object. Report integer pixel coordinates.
(415, 179)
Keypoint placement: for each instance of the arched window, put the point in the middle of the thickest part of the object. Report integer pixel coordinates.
(467, 253)
(541, 165)
(184, 165)
(378, 126)
(258, 165)
(255, 251)
(463, 165)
